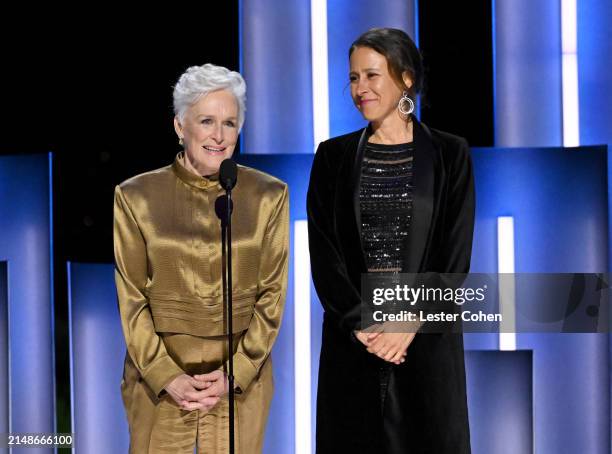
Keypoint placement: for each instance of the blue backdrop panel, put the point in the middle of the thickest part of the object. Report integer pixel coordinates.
(276, 63)
(594, 75)
(346, 20)
(558, 198)
(595, 79)
(4, 353)
(25, 217)
(527, 59)
(294, 170)
(97, 350)
(500, 406)
(484, 248)
(571, 391)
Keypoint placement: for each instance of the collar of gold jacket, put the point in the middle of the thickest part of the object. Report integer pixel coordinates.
(184, 174)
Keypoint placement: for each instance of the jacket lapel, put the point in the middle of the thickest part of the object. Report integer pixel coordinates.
(356, 177)
(425, 162)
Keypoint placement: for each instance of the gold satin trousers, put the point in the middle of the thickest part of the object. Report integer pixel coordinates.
(158, 425)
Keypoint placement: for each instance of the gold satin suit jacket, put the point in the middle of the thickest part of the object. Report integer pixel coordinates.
(168, 266)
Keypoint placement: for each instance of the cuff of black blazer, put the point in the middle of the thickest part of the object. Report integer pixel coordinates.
(159, 374)
(351, 322)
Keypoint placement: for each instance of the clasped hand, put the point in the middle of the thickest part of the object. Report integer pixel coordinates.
(388, 341)
(200, 392)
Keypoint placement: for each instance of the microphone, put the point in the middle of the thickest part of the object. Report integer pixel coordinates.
(228, 174)
(221, 208)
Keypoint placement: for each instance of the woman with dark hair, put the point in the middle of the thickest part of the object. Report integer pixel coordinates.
(393, 197)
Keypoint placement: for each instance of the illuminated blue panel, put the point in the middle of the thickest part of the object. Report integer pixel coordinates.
(595, 81)
(345, 22)
(484, 248)
(527, 49)
(25, 243)
(594, 75)
(500, 406)
(294, 170)
(97, 350)
(4, 353)
(276, 64)
(572, 371)
(558, 198)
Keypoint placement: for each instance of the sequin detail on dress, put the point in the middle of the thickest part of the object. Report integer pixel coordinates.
(385, 197)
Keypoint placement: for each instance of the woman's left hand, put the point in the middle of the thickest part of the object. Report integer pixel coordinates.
(213, 384)
(392, 344)
(392, 347)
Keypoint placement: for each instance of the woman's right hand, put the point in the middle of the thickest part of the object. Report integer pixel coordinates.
(369, 337)
(187, 393)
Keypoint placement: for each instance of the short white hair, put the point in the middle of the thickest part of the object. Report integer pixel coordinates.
(198, 81)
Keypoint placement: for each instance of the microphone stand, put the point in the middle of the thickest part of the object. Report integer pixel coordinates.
(230, 332)
(228, 176)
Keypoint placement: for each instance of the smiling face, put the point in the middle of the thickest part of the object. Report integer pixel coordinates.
(373, 89)
(210, 131)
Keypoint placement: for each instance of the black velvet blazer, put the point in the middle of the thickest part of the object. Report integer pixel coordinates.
(429, 386)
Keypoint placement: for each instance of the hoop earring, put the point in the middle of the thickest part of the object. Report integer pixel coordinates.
(400, 105)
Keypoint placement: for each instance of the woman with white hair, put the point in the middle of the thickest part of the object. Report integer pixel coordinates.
(169, 285)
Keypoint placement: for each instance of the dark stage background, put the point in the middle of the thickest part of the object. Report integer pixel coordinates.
(96, 90)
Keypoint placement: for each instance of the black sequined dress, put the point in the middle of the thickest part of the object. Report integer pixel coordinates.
(385, 198)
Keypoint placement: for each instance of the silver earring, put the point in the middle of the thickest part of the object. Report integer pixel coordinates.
(180, 141)
(402, 108)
